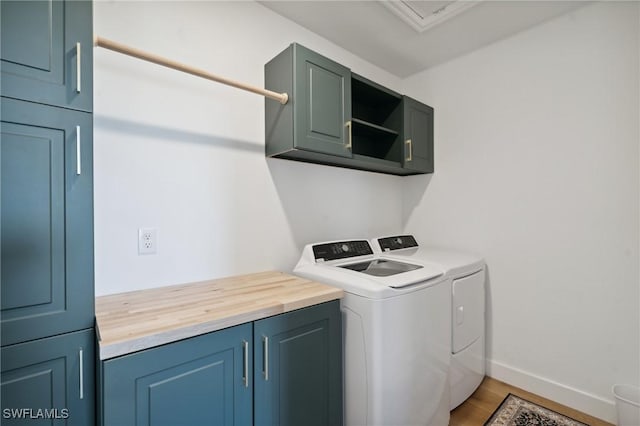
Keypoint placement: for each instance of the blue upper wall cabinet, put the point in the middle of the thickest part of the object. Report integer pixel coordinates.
(47, 52)
(46, 170)
(418, 136)
(316, 118)
(338, 118)
(323, 104)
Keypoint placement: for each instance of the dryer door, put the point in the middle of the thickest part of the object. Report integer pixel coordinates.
(467, 310)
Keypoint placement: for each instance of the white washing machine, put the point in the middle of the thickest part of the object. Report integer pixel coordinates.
(396, 332)
(466, 273)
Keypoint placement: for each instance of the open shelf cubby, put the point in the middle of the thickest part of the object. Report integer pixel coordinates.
(376, 120)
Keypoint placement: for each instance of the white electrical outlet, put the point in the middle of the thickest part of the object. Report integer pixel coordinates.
(147, 241)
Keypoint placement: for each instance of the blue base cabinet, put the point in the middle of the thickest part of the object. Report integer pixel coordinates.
(282, 370)
(49, 381)
(198, 381)
(298, 373)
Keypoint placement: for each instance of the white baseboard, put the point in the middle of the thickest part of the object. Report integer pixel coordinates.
(587, 403)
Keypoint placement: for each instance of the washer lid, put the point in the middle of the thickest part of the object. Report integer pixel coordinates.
(381, 267)
(392, 272)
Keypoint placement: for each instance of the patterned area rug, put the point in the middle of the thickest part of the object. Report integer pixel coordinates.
(515, 411)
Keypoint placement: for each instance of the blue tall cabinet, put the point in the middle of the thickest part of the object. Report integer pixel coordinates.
(46, 212)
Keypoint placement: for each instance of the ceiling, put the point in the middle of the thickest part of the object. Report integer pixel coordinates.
(375, 32)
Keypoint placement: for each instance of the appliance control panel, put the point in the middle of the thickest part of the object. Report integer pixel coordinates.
(397, 242)
(341, 250)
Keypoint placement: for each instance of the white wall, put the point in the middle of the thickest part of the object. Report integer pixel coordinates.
(186, 156)
(537, 159)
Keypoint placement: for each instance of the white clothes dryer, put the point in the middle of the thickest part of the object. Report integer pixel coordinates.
(396, 332)
(466, 273)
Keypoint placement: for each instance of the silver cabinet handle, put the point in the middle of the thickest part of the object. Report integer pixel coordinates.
(265, 349)
(78, 67)
(78, 152)
(80, 353)
(245, 370)
(410, 150)
(348, 126)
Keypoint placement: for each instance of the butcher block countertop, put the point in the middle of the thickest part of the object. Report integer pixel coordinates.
(129, 322)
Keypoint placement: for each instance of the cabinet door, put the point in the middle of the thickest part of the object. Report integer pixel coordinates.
(204, 380)
(418, 136)
(322, 108)
(46, 221)
(298, 367)
(47, 52)
(48, 379)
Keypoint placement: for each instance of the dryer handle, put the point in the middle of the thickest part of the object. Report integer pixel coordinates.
(459, 314)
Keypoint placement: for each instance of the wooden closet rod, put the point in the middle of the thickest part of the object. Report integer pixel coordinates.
(150, 57)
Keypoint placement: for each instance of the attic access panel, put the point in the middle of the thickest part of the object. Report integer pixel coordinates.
(422, 15)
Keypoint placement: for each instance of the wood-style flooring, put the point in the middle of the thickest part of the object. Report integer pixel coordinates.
(484, 401)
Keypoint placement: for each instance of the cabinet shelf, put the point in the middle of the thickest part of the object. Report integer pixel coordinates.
(373, 128)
